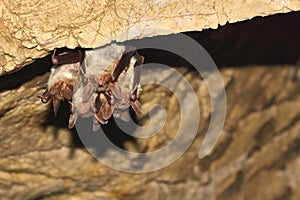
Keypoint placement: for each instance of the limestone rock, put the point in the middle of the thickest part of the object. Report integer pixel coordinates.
(31, 29)
(257, 156)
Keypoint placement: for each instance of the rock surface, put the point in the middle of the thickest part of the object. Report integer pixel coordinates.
(257, 156)
(31, 29)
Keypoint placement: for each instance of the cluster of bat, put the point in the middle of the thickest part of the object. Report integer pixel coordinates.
(98, 83)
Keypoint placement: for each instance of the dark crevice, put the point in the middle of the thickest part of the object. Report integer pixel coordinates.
(263, 136)
(27, 73)
(285, 157)
(234, 188)
(292, 123)
(271, 40)
(286, 194)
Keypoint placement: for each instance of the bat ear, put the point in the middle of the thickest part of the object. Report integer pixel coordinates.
(137, 107)
(107, 110)
(99, 117)
(56, 104)
(72, 120)
(98, 103)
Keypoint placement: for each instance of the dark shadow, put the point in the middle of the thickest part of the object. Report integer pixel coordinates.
(117, 136)
(111, 130)
(271, 40)
(27, 73)
(98, 140)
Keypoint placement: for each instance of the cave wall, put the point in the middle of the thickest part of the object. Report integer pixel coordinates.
(256, 157)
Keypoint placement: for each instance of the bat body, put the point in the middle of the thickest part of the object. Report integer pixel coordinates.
(97, 82)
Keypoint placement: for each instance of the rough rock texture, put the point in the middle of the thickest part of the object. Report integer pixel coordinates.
(31, 29)
(257, 157)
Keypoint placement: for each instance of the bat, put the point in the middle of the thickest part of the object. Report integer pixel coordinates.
(99, 83)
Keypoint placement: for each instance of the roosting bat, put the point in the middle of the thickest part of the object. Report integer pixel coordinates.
(100, 82)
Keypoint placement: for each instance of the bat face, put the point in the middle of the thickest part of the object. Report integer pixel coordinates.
(60, 84)
(98, 83)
